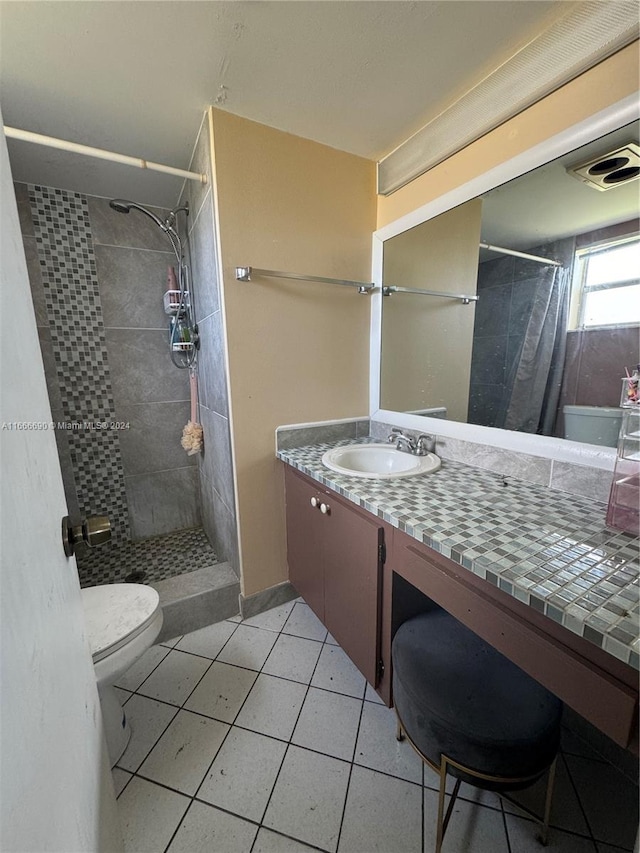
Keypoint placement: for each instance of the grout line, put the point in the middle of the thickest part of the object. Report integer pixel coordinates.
(289, 744)
(504, 823)
(577, 795)
(355, 747)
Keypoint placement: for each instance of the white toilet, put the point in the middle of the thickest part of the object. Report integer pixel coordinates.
(122, 621)
(592, 424)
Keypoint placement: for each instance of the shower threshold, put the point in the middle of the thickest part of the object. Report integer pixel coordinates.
(147, 561)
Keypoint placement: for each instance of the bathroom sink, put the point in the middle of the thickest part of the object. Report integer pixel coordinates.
(378, 461)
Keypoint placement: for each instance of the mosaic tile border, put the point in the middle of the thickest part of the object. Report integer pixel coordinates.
(64, 240)
(549, 549)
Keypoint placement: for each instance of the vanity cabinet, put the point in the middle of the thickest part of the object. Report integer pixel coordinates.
(335, 553)
(363, 578)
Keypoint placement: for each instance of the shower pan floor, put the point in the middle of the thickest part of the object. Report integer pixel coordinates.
(159, 558)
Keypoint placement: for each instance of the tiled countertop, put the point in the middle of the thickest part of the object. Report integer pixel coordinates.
(548, 549)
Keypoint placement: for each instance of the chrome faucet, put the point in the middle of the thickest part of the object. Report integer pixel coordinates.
(419, 446)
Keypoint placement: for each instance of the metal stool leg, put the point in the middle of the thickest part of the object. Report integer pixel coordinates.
(547, 803)
(440, 824)
(399, 732)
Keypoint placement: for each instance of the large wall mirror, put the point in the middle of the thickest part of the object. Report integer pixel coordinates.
(533, 298)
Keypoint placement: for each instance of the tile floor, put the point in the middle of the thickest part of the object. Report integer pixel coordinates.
(262, 737)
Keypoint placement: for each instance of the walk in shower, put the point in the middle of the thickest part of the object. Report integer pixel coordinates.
(120, 319)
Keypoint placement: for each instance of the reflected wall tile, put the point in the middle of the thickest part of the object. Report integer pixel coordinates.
(492, 311)
(495, 272)
(489, 359)
(604, 355)
(132, 286)
(522, 299)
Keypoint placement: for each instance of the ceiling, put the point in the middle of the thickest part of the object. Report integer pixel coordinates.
(135, 77)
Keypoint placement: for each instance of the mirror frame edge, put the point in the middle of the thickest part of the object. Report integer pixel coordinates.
(557, 449)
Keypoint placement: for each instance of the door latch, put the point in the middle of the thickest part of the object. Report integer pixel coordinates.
(95, 530)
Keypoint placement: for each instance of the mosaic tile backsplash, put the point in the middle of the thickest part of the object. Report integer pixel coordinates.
(548, 549)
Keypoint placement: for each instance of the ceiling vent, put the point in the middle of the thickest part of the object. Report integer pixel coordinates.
(609, 170)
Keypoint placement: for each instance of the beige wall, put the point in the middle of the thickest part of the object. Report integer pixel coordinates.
(608, 82)
(297, 351)
(426, 341)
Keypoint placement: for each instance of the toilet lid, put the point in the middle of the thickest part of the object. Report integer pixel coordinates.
(115, 613)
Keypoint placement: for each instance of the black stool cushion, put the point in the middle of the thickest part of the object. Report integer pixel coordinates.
(457, 695)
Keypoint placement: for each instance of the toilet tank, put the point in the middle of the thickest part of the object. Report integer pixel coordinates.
(592, 424)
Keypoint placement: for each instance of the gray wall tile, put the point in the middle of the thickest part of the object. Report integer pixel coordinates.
(211, 360)
(141, 368)
(51, 373)
(299, 436)
(162, 502)
(581, 480)
(35, 281)
(111, 228)
(132, 286)
(533, 469)
(216, 457)
(24, 209)
(195, 191)
(219, 523)
(204, 271)
(266, 599)
(152, 441)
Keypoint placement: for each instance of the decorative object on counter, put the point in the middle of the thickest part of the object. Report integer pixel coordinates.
(192, 434)
(631, 388)
(623, 512)
(470, 712)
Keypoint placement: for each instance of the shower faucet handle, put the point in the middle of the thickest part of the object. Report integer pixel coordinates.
(94, 530)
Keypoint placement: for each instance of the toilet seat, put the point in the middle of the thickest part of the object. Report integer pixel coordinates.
(117, 613)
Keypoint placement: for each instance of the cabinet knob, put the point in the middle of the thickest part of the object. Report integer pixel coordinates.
(325, 509)
(314, 502)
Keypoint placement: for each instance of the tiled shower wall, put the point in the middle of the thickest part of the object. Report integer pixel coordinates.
(217, 491)
(97, 279)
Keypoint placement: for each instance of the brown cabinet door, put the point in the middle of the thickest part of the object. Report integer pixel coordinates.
(304, 549)
(352, 584)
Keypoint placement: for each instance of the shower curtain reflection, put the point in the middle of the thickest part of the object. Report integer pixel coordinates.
(535, 379)
(519, 340)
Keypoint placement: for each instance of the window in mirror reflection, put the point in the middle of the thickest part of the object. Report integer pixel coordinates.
(607, 284)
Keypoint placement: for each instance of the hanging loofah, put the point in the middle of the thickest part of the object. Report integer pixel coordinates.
(193, 435)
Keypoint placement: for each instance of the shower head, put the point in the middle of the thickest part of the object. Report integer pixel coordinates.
(122, 205)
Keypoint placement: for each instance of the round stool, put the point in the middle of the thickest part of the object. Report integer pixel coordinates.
(468, 711)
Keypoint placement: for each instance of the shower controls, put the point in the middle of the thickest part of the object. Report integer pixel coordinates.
(93, 531)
